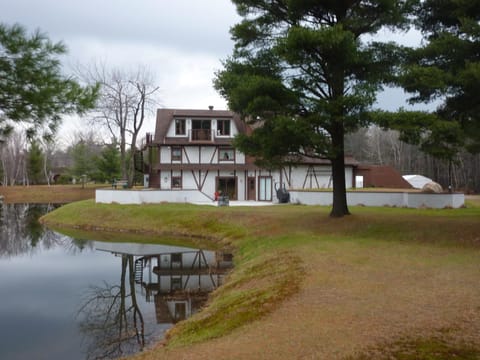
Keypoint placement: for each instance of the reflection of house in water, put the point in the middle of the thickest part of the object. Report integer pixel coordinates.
(176, 279)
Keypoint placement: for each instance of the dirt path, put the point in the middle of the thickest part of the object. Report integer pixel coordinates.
(354, 297)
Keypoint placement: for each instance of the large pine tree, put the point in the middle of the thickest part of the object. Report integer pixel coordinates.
(306, 73)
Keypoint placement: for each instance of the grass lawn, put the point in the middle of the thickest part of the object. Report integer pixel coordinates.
(382, 283)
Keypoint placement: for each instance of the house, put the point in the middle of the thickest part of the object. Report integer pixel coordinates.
(191, 153)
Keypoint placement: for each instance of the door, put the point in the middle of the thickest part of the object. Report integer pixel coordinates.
(251, 189)
(265, 188)
(227, 186)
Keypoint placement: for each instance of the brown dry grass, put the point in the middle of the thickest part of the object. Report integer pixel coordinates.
(43, 194)
(360, 294)
(355, 297)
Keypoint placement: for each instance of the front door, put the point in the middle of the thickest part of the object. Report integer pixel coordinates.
(251, 189)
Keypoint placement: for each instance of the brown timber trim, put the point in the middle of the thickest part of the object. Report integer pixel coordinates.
(205, 167)
(186, 154)
(186, 141)
(214, 154)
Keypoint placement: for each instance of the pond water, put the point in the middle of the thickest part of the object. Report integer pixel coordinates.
(65, 298)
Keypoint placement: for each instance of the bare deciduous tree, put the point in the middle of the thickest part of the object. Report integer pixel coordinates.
(126, 99)
(12, 157)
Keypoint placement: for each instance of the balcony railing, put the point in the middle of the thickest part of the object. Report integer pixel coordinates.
(201, 135)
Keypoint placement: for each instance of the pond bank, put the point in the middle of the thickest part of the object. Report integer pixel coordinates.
(307, 286)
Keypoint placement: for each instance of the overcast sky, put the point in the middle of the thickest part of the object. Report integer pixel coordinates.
(181, 41)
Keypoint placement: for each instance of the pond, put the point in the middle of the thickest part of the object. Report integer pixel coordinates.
(65, 298)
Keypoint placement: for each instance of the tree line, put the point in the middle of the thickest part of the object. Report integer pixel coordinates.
(376, 146)
(87, 158)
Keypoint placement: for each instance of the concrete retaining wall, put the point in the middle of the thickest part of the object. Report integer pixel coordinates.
(400, 199)
(148, 196)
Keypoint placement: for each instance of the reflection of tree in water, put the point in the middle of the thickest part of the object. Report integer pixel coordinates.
(21, 232)
(110, 318)
(32, 226)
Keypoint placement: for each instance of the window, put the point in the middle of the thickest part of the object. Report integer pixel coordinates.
(226, 154)
(180, 311)
(176, 182)
(180, 127)
(223, 127)
(177, 258)
(176, 283)
(176, 153)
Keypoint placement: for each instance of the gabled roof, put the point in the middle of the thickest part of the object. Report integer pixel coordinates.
(166, 116)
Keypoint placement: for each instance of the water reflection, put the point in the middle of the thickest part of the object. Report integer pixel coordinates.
(21, 233)
(110, 318)
(80, 299)
(175, 280)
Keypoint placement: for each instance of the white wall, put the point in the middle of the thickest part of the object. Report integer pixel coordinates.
(208, 154)
(165, 154)
(412, 200)
(321, 180)
(149, 196)
(398, 199)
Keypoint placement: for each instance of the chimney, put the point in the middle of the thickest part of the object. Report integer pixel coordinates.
(210, 107)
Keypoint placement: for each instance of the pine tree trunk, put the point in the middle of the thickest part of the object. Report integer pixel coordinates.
(340, 207)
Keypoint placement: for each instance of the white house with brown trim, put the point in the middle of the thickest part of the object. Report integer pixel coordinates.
(191, 154)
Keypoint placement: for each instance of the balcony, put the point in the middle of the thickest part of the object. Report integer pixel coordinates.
(201, 135)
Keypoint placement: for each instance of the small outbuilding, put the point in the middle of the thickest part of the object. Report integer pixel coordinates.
(381, 177)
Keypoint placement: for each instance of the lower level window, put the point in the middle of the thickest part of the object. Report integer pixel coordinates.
(226, 154)
(176, 182)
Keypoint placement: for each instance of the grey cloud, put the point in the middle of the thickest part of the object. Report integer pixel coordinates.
(199, 26)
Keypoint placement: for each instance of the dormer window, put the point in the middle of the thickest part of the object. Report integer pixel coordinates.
(180, 128)
(223, 127)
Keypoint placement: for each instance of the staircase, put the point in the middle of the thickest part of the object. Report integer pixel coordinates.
(138, 161)
(139, 270)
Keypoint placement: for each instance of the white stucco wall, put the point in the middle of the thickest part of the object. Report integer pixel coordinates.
(165, 154)
(400, 199)
(207, 154)
(318, 178)
(149, 196)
